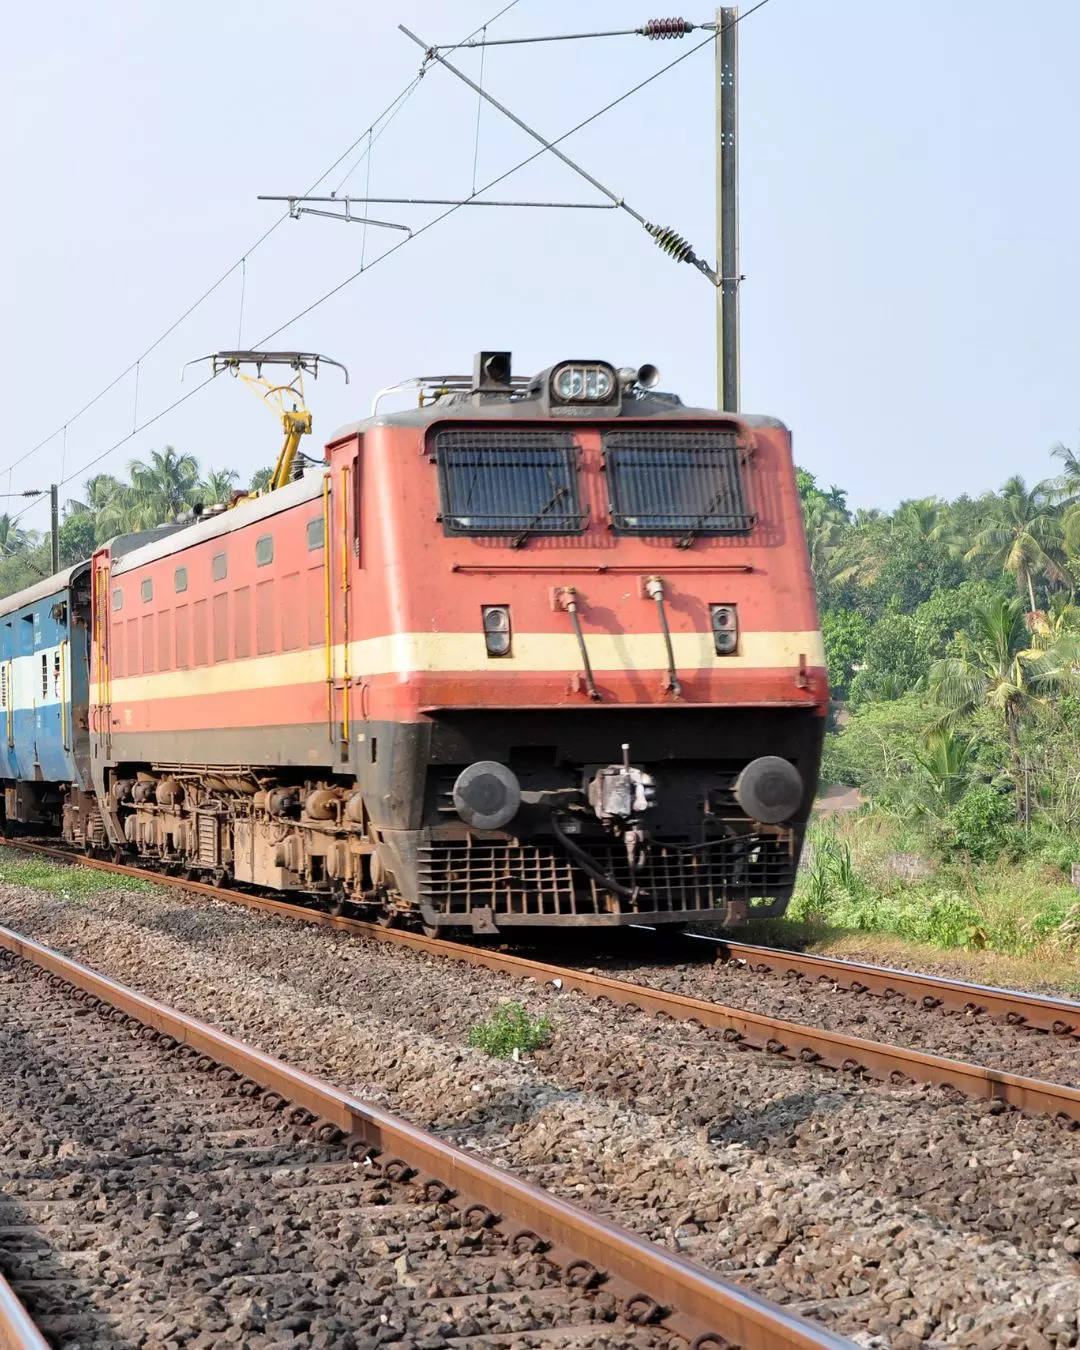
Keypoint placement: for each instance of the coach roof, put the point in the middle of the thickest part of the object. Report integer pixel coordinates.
(58, 583)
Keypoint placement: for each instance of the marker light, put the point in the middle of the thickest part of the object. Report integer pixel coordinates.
(725, 627)
(583, 382)
(497, 629)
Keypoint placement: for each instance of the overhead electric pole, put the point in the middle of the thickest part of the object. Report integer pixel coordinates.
(54, 504)
(727, 209)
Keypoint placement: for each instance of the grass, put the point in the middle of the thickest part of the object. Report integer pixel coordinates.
(1002, 922)
(69, 881)
(510, 1032)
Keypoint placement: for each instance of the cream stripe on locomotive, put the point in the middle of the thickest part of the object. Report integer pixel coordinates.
(419, 653)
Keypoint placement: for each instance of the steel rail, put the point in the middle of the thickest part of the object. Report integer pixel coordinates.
(688, 1299)
(791, 1040)
(1061, 1016)
(17, 1328)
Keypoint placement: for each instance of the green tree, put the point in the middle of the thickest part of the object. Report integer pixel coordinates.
(163, 486)
(845, 633)
(946, 766)
(996, 668)
(217, 486)
(1022, 535)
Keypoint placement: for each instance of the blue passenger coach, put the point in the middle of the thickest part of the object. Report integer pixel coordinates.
(44, 687)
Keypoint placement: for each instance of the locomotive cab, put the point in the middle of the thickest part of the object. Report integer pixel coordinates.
(597, 692)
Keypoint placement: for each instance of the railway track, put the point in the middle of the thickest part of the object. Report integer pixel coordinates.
(792, 1040)
(1059, 1016)
(163, 1177)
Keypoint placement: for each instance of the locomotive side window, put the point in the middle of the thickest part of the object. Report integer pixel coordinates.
(683, 481)
(146, 590)
(118, 599)
(508, 482)
(219, 566)
(180, 580)
(315, 533)
(264, 550)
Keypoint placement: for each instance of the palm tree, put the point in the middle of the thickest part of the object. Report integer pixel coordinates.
(109, 503)
(996, 669)
(824, 528)
(1068, 485)
(12, 539)
(218, 486)
(1022, 534)
(947, 763)
(164, 487)
(260, 479)
(1057, 625)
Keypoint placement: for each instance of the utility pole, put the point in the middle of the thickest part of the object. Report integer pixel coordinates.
(727, 209)
(54, 505)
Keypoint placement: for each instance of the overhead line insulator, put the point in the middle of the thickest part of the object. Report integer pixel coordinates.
(672, 243)
(666, 28)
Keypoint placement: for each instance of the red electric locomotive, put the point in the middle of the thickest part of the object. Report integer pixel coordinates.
(538, 652)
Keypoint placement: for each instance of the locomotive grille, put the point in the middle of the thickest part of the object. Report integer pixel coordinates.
(508, 482)
(457, 876)
(675, 481)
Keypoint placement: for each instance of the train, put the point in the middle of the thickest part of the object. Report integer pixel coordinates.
(538, 652)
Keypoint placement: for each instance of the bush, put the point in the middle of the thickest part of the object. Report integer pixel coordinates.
(510, 1032)
(980, 823)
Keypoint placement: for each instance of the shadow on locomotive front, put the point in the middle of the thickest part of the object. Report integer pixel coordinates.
(537, 651)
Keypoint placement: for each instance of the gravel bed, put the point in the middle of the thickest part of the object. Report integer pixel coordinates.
(977, 1037)
(147, 1203)
(899, 1217)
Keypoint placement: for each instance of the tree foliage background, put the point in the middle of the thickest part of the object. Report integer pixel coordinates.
(166, 485)
(952, 636)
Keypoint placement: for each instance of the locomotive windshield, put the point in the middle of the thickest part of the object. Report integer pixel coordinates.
(508, 482)
(684, 481)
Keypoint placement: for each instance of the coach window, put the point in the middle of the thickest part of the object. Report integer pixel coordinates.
(180, 580)
(315, 533)
(147, 589)
(118, 599)
(264, 550)
(219, 566)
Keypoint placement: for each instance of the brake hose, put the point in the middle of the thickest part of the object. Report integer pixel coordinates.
(588, 866)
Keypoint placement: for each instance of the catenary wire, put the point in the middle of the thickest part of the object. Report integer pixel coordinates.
(230, 270)
(421, 230)
(495, 181)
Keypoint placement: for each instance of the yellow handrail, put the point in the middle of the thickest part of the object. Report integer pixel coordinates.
(345, 605)
(326, 606)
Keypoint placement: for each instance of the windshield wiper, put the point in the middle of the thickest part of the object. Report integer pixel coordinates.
(714, 502)
(554, 500)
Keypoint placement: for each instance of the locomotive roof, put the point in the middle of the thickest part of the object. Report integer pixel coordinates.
(43, 589)
(501, 408)
(134, 550)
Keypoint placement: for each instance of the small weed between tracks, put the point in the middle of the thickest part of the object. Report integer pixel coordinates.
(68, 881)
(510, 1032)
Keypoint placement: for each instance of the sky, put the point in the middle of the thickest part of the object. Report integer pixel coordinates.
(908, 223)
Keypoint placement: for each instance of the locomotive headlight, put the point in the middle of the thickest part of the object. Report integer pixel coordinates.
(583, 382)
(496, 629)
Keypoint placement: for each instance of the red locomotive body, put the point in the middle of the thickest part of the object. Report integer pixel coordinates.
(536, 652)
